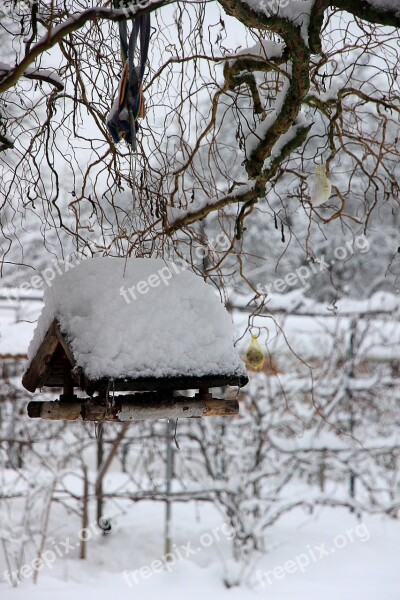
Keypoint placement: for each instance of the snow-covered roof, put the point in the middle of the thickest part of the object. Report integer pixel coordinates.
(139, 317)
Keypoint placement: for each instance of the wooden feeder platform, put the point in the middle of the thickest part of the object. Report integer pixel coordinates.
(54, 366)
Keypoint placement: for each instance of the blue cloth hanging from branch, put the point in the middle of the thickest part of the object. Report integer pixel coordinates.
(128, 107)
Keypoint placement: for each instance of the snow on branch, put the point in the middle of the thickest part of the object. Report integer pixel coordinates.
(380, 12)
(5, 143)
(55, 34)
(37, 74)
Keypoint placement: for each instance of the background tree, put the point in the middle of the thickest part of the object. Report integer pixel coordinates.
(243, 100)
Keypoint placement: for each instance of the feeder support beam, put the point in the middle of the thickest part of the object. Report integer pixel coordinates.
(133, 407)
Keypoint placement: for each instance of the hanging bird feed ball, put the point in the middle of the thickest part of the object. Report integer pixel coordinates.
(255, 355)
(321, 187)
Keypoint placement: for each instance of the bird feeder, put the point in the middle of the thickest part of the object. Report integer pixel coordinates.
(142, 338)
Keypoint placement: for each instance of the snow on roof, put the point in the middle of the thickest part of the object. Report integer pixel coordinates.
(140, 317)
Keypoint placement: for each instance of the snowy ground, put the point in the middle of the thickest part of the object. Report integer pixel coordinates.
(362, 565)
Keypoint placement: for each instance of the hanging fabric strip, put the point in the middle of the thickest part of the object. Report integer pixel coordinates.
(122, 120)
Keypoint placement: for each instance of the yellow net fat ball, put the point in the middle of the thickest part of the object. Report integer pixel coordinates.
(254, 355)
(321, 188)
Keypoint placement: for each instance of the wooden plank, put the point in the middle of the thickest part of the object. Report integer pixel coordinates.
(132, 407)
(68, 391)
(45, 372)
(161, 384)
(40, 365)
(64, 344)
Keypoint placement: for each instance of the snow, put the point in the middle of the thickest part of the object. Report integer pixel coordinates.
(19, 311)
(301, 121)
(299, 11)
(14, 338)
(45, 74)
(359, 570)
(263, 49)
(316, 330)
(296, 11)
(156, 320)
(296, 301)
(262, 128)
(35, 72)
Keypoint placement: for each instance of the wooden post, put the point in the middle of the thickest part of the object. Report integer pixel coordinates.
(99, 480)
(352, 477)
(130, 407)
(85, 516)
(168, 476)
(68, 384)
(103, 465)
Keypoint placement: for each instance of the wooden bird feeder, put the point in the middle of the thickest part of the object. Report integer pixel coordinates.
(110, 397)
